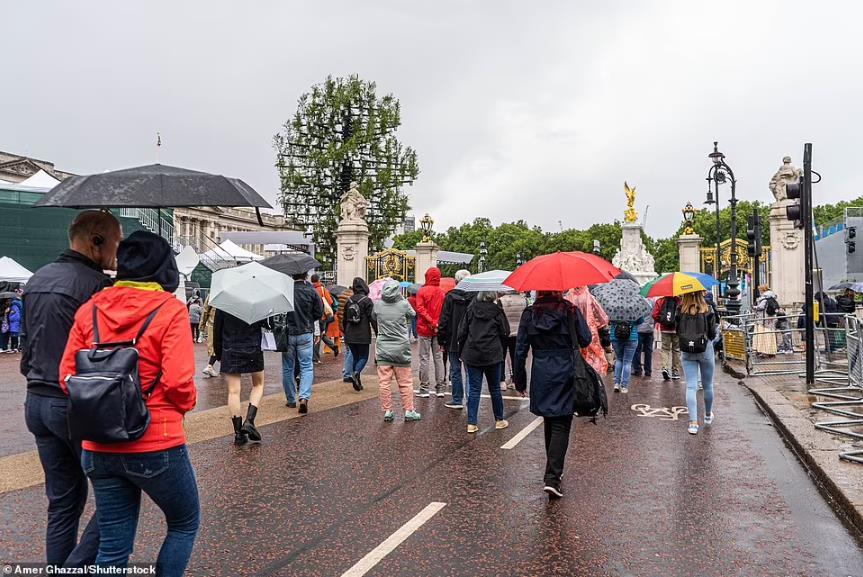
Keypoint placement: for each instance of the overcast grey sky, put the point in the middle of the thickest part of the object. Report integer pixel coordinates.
(534, 110)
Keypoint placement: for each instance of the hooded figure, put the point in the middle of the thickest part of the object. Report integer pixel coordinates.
(358, 320)
(429, 306)
(393, 315)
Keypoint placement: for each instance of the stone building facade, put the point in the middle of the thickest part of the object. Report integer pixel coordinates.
(17, 168)
(202, 227)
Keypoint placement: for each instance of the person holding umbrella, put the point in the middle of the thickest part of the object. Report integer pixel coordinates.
(245, 297)
(553, 329)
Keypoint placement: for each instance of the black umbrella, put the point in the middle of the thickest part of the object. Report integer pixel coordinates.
(8, 295)
(336, 290)
(153, 186)
(628, 276)
(291, 263)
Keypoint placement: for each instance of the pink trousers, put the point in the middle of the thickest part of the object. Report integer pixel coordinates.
(405, 380)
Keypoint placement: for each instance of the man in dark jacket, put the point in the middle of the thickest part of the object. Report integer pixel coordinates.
(308, 308)
(552, 327)
(454, 307)
(51, 297)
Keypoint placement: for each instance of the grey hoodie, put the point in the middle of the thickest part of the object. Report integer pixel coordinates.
(393, 347)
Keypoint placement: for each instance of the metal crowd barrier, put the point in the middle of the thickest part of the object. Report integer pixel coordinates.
(850, 394)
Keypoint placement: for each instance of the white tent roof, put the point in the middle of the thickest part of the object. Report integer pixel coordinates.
(11, 271)
(229, 250)
(40, 180)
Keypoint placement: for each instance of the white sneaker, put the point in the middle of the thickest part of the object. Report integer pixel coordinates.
(423, 394)
(456, 406)
(708, 419)
(616, 387)
(503, 386)
(440, 395)
(693, 428)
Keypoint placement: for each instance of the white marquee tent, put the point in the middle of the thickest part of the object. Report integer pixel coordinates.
(11, 271)
(229, 250)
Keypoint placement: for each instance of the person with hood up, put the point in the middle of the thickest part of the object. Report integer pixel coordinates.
(358, 321)
(596, 319)
(482, 343)
(393, 350)
(846, 302)
(15, 316)
(455, 306)
(552, 327)
(158, 462)
(430, 300)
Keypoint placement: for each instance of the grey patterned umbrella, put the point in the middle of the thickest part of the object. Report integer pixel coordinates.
(622, 300)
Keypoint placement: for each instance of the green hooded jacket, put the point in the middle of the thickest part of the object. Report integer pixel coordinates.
(393, 346)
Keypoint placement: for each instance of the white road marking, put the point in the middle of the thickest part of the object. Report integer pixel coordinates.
(375, 556)
(522, 434)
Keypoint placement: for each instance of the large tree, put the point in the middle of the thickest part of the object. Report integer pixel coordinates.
(343, 132)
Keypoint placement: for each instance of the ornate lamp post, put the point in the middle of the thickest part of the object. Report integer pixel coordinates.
(688, 217)
(518, 260)
(426, 226)
(483, 253)
(720, 173)
(596, 247)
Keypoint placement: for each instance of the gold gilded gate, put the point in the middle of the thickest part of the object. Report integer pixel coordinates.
(393, 263)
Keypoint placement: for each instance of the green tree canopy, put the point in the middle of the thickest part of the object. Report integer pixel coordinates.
(343, 132)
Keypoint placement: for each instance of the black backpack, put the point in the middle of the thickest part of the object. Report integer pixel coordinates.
(106, 401)
(772, 306)
(668, 313)
(589, 398)
(692, 332)
(353, 313)
(622, 331)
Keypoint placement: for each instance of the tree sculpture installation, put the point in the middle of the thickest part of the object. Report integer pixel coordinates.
(342, 132)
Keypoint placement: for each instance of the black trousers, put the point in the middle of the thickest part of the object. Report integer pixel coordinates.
(65, 483)
(557, 431)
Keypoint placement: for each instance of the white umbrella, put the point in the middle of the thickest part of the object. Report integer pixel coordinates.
(491, 281)
(252, 292)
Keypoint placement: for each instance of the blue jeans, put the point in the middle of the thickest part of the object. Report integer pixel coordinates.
(168, 479)
(299, 347)
(349, 363)
(645, 347)
(414, 333)
(492, 377)
(455, 377)
(624, 351)
(65, 483)
(360, 356)
(692, 364)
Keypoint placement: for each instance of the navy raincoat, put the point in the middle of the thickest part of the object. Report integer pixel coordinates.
(549, 328)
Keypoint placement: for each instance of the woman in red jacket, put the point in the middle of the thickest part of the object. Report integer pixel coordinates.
(158, 462)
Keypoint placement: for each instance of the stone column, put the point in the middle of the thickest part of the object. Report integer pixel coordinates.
(352, 239)
(426, 259)
(689, 246)
(786, 256)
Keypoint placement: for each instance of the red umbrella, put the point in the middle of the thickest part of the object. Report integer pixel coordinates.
(447, 283)
(561, 271)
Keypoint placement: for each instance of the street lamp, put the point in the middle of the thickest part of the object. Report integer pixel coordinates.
(483, 253)
(518, 260)
(596, 247)
(426, 226)
(688, 217)
(720, 173)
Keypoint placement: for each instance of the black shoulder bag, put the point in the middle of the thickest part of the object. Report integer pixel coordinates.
(106, 401)
(589, 398)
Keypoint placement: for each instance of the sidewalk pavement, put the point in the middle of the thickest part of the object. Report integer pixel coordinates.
(786, 401)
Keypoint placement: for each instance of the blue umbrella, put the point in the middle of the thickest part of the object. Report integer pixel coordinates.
(705, 279)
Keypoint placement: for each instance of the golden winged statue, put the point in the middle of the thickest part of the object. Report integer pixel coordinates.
(630, 215)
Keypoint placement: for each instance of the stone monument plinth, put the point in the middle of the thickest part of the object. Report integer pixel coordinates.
(689, 247)
(352, 237)
(633, 256)
(426, 259)
(787, 262)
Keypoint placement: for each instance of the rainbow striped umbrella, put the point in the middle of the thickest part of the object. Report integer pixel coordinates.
(672, 285)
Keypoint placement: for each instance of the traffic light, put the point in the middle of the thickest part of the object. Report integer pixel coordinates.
(850, 235)
(751, 237)
(794, 211)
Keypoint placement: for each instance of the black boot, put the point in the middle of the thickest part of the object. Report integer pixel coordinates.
(239, 436)
(249, 426)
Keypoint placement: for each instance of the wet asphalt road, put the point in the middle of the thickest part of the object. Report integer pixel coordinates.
(642, 498)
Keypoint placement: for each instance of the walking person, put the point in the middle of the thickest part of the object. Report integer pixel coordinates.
(196, 312)
(393, 350)
(455, 306)
(308, 308)
(550, 329)
(482, 343)
(142, 302)
(208, 324)
(513, 305)
(624, 339)
(328, 317)
(429, 307)
(642, 362)
(237, 346)
(357, 324)
(665, 314)
(597, 321)
(51, 297)
(348, 363)
(696, 326)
